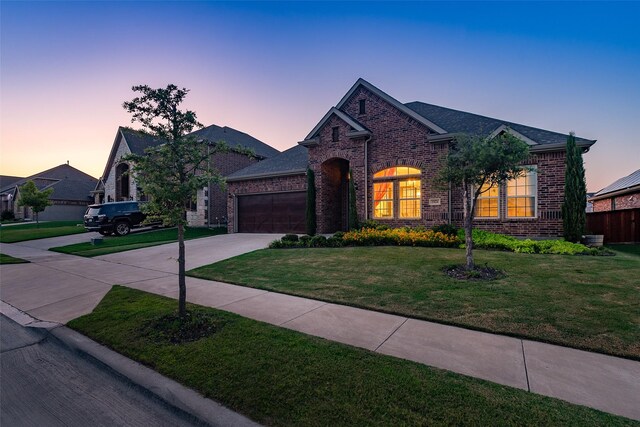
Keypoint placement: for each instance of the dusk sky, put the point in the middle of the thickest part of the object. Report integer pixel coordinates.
(274, 69)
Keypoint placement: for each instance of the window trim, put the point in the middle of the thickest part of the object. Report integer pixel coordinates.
(530, 169)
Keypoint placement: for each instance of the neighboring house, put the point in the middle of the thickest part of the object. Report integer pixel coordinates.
(622, 194)
(393, 151)
(589, 207)
(71, 193)
(118, 184)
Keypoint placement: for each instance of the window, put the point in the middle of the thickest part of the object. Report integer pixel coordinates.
(361, 107)
(487, 203)
(398, 186)
(522, 194)
(335, 134)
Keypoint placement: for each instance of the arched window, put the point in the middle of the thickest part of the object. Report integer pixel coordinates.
(396, 193)
(122, 182)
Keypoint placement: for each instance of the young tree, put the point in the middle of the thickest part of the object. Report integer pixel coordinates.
(476, 163)
(574, 216)
(311, 203)
(35, 199)
(172, 173)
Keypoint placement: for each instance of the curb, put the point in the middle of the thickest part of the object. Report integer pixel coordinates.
(170, 391)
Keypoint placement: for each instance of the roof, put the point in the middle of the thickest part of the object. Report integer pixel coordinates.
(7, 180)
(68, 183)
(235, 138)
(623, 185)
(139, 141)
(455, 121)
(293, 161)
(355, 125)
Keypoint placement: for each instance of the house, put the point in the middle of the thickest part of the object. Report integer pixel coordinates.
(393, 152)
(117, 184)
(622, 194)
(71, 193)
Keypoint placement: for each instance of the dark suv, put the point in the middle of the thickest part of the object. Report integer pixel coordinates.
(116, 217)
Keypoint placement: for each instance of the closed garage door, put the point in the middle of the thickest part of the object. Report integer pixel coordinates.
(272, 213)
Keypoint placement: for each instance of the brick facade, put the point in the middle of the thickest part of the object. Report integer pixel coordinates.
(397, 138)
(616, 203)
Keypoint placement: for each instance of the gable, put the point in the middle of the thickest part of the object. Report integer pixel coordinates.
(354, 128)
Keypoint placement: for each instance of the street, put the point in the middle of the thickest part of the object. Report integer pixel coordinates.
(44, 383)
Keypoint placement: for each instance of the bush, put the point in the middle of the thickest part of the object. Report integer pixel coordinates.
(318, 242)
(400, 237)
(283, 244)
(7, 215)
(334, 242)
(373, 225)
(304, 240)
(338, 234)
(486, 240)
(448, 229)
(290, 238)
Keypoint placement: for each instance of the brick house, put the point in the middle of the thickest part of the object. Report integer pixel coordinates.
(622, 194)
(210, 208)
(393, 151)
(69, 200)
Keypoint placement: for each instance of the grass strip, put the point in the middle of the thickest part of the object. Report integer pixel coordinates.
(585, 302)
(113, 244)
(280, 377)
(8, 259)
(32, 231)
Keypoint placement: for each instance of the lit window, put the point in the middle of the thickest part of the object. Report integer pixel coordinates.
(383, 199)
(522, 194)
(487, 203)
(389, 191)
(409, 198)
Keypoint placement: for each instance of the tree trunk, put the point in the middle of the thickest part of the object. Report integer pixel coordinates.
(468, 222)
(182, 297)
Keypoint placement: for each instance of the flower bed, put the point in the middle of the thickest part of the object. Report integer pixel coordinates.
(399, 237)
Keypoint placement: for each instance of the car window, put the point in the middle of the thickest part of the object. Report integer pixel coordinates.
(93, 211)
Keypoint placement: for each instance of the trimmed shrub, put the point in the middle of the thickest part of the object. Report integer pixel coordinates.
(290, 238)
(304, 240)
(448, 229)
(374, 225)
(318, 242)
(7, 215)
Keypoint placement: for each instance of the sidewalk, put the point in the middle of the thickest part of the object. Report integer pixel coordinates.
(61, 287)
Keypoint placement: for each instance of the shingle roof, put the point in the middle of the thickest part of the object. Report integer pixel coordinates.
(291, 161)
(629, 181)
(234, 137)
(68, 183)
(455, 121)
(139, 141)
(7, 180)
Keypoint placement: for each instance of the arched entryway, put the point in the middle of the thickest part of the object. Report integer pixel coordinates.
(122, 182)
(335, 195)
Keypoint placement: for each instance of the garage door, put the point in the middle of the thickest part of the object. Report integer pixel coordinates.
(272, 213)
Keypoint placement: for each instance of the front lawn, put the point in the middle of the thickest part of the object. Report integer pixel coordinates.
(113, 244)
(281, 377)
(32, 231)
(585, 302)
(627, 249)
(8, 259)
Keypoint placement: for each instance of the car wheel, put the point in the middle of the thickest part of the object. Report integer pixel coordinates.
(122, 228)
(105, 233)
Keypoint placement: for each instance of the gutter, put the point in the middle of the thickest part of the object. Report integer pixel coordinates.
(267, 175)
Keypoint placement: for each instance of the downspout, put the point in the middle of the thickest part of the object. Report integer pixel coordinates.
(449, 207)
(366, 178)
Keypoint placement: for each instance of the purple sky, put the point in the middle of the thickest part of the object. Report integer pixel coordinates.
(274, 69)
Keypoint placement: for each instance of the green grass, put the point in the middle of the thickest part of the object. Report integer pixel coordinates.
(113, 244)
(32, 231)
(8, 259)
(627, 249)
(280, 377)
(585, 302)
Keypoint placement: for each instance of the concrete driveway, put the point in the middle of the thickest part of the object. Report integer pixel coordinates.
(58, 287)
(199, 252)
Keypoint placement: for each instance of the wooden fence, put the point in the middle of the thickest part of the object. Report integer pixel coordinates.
(621, 226)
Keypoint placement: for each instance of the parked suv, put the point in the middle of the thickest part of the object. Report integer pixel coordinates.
(116, 217)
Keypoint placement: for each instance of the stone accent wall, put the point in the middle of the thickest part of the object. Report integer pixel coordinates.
(263, 185)
(110, 180)
(625, 201)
